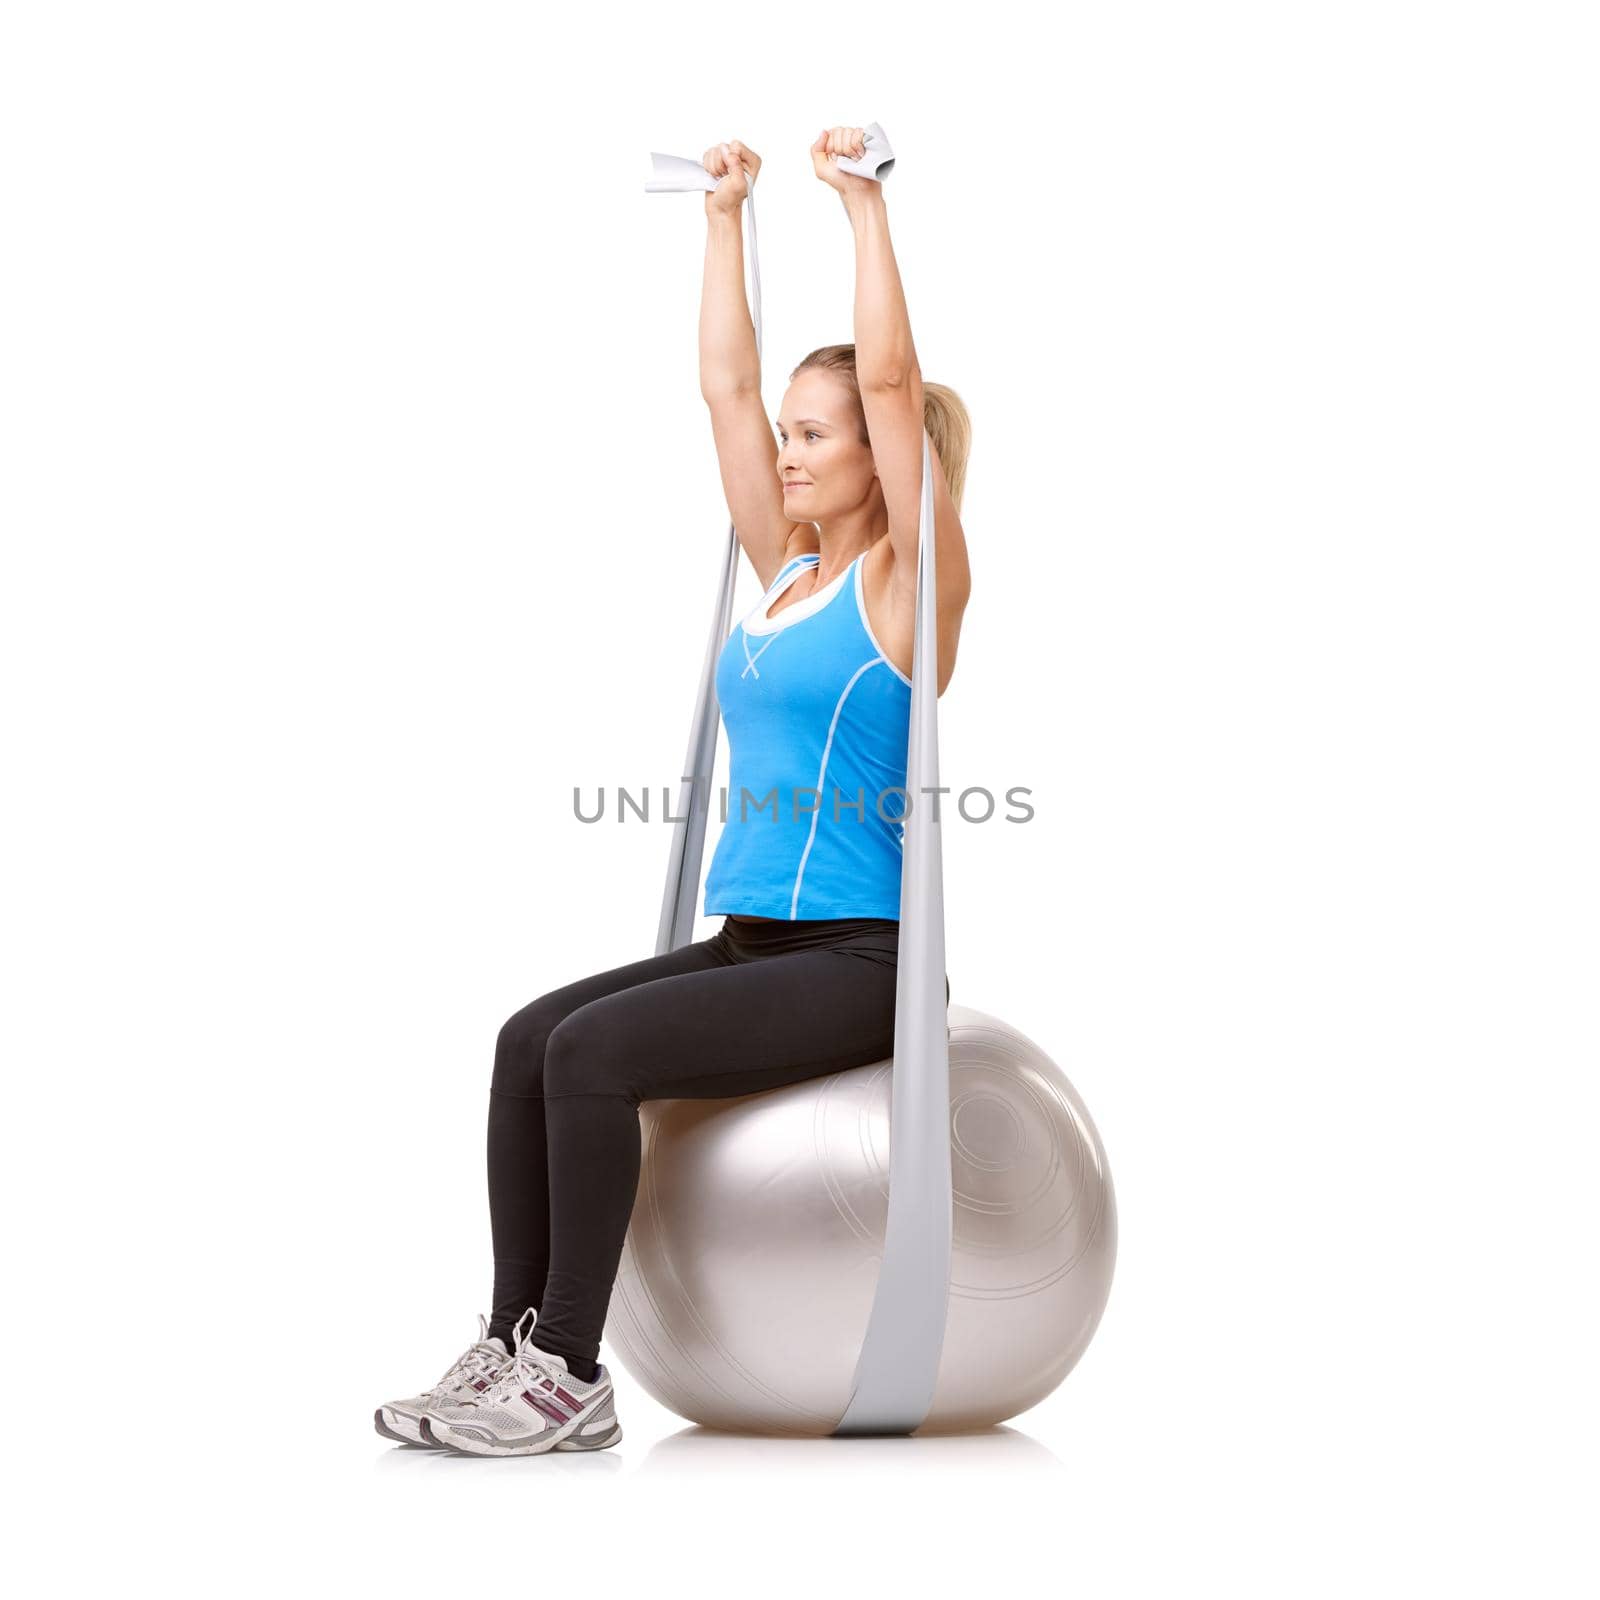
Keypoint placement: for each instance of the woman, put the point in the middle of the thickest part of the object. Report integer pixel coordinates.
(815, 690)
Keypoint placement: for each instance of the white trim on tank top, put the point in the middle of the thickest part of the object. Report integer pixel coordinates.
(822, 775)
(759, 622)
(861, 606)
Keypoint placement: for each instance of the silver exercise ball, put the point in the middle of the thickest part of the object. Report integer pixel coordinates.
(752, 1256)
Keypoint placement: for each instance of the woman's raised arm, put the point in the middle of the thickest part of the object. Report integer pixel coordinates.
(730, 371)
(890, 381)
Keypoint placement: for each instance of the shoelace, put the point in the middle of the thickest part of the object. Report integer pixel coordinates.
(482, 1360)
(525, 1367)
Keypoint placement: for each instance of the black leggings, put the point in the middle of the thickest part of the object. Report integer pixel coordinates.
(757, 1005)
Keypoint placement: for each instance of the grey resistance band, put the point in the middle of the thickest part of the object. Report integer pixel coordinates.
(892, 1390)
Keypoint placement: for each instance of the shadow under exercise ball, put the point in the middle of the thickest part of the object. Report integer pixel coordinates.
(754, 1246)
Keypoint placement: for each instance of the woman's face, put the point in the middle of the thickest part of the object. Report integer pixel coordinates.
(824, 467)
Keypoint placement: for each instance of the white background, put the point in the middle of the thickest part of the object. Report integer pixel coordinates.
(359, 501)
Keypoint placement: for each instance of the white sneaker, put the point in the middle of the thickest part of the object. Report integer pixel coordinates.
(472, 1373)
(534, 1404)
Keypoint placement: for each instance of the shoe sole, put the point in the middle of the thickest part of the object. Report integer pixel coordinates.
(400, 1438)
(571, 1442)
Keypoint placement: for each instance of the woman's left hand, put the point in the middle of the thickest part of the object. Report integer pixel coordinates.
(832, 143)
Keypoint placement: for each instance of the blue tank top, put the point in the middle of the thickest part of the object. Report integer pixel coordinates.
(818, 719)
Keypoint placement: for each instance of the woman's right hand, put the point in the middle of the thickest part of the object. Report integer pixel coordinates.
(729, 162)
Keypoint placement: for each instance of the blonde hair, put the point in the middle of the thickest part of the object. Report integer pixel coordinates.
(944, 415)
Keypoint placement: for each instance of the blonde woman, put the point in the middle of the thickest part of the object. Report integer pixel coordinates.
(814, 685)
